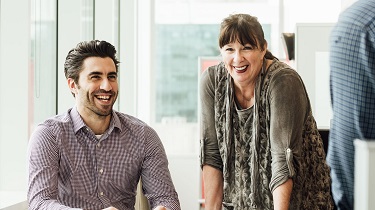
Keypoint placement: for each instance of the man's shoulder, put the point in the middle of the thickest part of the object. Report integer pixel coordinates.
(58, 121)
(60, 118)
(133, 125)
(53, 126)
(129, 120)
(360, 14)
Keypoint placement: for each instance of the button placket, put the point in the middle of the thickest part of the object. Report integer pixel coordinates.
(101, 169)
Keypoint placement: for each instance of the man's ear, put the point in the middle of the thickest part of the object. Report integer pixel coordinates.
(72, 86)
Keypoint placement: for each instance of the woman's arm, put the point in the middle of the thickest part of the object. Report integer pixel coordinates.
(210, 156)
(213, 187)
(289, 108)
(281, 195)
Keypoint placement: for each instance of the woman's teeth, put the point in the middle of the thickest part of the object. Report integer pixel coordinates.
(240, 68)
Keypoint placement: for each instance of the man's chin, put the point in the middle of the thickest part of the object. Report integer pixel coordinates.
(104, 112)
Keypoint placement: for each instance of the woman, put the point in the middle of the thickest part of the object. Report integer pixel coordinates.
(260, 146)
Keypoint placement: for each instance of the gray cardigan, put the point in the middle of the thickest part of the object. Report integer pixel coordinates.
(283, 140)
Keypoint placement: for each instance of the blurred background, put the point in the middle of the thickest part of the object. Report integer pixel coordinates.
(163, 46)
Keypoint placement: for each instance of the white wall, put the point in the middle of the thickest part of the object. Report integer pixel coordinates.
(14, 49)
(364, 182)
(312, 63)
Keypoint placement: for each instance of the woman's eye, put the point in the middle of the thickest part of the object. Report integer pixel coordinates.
(248, 48)
(229, 49)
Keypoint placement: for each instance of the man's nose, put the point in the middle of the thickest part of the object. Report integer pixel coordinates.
(105, 85)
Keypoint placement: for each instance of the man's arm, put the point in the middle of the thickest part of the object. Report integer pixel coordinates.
(281, 195)
(156, 179)
(213, 187)
(43, 162)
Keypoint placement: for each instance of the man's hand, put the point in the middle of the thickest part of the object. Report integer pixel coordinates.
(160, 208)
(110, 208)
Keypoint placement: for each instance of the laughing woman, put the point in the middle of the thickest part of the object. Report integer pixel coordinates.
(260, 146)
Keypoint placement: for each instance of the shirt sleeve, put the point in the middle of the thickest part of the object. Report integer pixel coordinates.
(157, 183)
(210, 154)
(43, 162)
(288, 109)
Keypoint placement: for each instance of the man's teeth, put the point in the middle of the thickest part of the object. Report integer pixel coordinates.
(240, 68)
(103, 97)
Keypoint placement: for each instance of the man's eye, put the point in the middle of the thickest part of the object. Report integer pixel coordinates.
(95, 77)
(229, 49)
(112, 77)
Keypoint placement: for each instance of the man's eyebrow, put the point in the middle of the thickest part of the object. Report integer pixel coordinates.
(95, 73)
(101, 73)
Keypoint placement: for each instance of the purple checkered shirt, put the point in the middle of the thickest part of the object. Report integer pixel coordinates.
(70, 168)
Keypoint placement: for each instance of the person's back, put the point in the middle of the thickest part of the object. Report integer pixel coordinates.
(352, 85)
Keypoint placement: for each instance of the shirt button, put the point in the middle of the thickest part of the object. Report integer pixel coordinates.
(101, 171)
(98, 145)
(101, 193)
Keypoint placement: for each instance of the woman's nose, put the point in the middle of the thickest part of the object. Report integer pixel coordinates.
(237, 57)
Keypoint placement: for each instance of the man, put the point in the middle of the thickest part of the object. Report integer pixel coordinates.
(92, 157)
(352, 83)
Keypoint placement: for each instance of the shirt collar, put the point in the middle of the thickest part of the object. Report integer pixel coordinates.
(79, 124)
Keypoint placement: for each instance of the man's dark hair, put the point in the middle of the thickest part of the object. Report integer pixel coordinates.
(94, 48)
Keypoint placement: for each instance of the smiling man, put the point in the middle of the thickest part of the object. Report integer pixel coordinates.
(92, 157)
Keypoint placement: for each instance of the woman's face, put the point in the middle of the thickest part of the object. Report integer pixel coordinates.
(243, 62)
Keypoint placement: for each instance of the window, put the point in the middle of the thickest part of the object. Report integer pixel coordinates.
(178, 47)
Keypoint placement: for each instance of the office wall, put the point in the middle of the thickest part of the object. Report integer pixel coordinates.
(14, 49)
(312, 63)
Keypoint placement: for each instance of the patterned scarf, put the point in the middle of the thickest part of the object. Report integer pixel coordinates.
(257, 194)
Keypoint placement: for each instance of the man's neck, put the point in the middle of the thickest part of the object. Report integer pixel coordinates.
(98, 124)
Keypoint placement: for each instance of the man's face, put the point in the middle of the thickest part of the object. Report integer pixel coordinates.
(97, 88)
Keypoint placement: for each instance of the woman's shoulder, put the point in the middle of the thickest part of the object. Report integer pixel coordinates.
(278, 65)
(280, 69)
(213, 71)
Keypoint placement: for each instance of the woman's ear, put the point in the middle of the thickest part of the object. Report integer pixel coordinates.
(265, 45)
(264, 51)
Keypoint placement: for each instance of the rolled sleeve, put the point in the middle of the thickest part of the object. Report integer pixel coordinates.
(210, 154)
(288, 106)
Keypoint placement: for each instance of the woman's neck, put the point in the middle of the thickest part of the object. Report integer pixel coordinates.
(245, 95)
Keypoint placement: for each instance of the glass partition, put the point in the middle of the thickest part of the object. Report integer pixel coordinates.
(43, 56)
